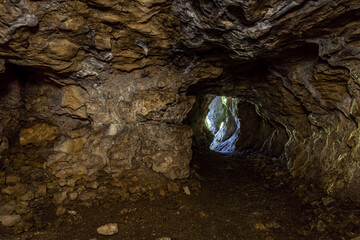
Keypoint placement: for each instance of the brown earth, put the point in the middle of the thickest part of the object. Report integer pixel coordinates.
(235, 202)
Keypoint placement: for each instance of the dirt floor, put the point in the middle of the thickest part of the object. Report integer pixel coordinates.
(234, 203)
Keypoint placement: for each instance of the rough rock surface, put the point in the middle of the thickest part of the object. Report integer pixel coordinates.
(298, 63)
(92, 101)
(96, 93)
(108, 229)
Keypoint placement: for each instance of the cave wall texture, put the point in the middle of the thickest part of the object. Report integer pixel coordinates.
(106, 85)
(297, 62)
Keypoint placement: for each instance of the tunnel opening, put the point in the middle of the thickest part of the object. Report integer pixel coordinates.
(223, 123)
(232, 125)
(269, 83)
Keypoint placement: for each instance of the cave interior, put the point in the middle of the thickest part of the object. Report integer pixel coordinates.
(192, 119)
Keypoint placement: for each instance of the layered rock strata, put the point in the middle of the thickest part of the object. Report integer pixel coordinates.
(298, 63)
(101, 88)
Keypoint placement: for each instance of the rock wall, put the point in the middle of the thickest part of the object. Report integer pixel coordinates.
(258, 134)
(298, 63)
(202, 136)
(107, 84)
(92, 104)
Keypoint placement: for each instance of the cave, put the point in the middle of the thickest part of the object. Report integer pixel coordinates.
(182, 119)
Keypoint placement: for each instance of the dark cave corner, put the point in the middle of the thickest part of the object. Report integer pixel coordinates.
(12, 81)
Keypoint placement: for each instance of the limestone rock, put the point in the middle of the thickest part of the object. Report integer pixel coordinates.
(108, 229)
(105, 87)
(17, 190)
(71, 146)
(7, 209)
(73, 100)
(41, 192)
(28, 196)
(12, 179)
(60, 197)
(38, 134)
(10, 220)
(61, 49)
(186, 190)
(22, 208)
(60, 211)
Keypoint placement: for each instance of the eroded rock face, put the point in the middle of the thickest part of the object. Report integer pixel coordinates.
(259, 134)
(101, 88)
(297, 62)
(92, 101)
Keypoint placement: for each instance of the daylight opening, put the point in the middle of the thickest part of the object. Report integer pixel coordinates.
(223, 122)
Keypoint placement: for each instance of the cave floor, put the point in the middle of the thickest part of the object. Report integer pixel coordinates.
(233, 203)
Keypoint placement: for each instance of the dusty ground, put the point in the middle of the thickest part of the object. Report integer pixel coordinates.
(234, 203)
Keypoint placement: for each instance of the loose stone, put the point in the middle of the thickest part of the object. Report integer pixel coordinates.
(186, 190)
(11, 220)
(108, 229)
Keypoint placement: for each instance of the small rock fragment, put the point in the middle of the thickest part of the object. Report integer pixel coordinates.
(72, 212)
(93, 185)
(41, 192)
(22, 208)
(28, 196)
(186, 190)
(8, 208)
(108, 229)
(60, 197)
(60, 211)
(17, 190)
(10, 220)
(260, 226)
(73, 196)
(12, 179)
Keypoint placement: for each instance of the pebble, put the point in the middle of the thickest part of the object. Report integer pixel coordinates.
(93, 185)
(73, 196)
(108, 229)
(60, 211)
(10, 220)
(72, 212)
(186, 190)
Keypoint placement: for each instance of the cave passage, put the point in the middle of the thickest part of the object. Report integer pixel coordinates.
(223, 123)
(180, 119)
